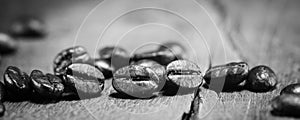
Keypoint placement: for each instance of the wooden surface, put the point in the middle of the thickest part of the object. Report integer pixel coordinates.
(247, 36)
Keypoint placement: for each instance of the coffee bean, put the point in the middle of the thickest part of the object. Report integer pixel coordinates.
(2, 109)
(76, 54)
(226, 77)
(286, 105)
(48, 85)
(105, 67)
(178, 49)
(17, 82)
(28, 27)
(85, 80)
(261, 79)
(116, 56)
(163, 56)
(136, 81)
(7, 44)
(156, 67)
(184, 73)
(112, 51)
(291, 89)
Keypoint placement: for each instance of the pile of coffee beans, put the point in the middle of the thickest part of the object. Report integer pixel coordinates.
(236, 76)
(288, 102)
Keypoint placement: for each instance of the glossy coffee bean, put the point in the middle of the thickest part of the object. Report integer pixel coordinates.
(184, 73)
(7, 44)
(17, 82)
(261, 79)
(105, 67)
(85, 80)
(76, 54)
(46, 85)
(291, 89)
(28, 27)
(225, 77)
(163, 56)
(286, 105)
(112, 51)
(136, 81)
(116, 56)
(156, 67)
(178, 49)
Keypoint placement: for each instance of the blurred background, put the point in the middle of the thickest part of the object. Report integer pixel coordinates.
(230, 29)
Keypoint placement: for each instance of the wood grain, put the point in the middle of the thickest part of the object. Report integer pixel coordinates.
(241, 42)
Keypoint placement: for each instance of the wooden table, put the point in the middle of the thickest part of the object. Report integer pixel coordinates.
(261, 33)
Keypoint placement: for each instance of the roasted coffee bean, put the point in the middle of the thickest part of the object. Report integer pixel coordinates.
(76, 54)
(48, 85)
(156, 67)
(261, 79)
(105, 67)
(85, 80)
(185, 74)
(226, 77)
(136, 81)
(116, 56)
(112, 51)
(17, 82)
(178, 49)
(291, 89)
(2, 109)
(163, 56)
(28, 27)
(7, 44)
(286, 105)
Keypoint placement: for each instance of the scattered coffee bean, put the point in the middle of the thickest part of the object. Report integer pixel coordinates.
(112, 51)
(163, 56)
(28, 27)
(178, 49)
(184, 73)
(286, 105)
(85, 80)
(7, 44)
(105, 67)
(116, 56)
(46, 85)
(17, 82)
(226, 77)
(291, 89)
(156, 67)
(261, 79)
(136, 81)
(76, 54)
